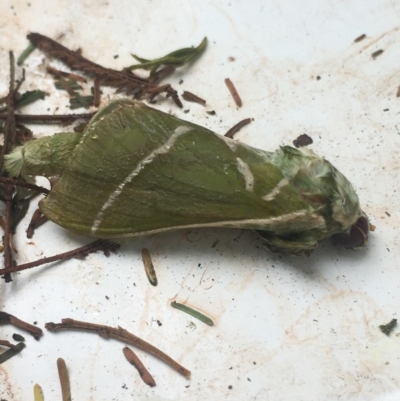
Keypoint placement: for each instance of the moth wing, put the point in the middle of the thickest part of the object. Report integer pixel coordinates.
(139, 171)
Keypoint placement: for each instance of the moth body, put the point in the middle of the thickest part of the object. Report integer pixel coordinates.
(138, 171)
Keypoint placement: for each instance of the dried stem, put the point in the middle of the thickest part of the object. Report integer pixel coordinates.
(5, 343)
(117, 334)
(75, 61)
(38, 219)
(124, 81)
(48, 119)
(78, 252)
(64, 379)
(6, 318)
(133, 359)
(36, 188)
(237, 127)
(233, 92)
(191, 97)
(65, 74)
(11, 352)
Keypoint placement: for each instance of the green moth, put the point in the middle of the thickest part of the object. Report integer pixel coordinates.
(137, 171)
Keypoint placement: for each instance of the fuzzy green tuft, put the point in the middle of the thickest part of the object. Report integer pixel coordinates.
(14, 162)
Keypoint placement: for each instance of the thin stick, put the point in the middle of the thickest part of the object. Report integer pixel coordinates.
(191, 97)
(65, 74)
(6, 318)
(25, 185)
(118, 334)
(133, 359)
(48, 119)
(64, 379)
(118, 79)
(233, 92)
(11, 352)
(237, 127)
(92, 247)
(38, 219)
(5, 343)
(96, 93)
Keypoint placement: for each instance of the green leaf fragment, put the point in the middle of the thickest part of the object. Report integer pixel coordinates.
(81, 101)
(18, 337)
(72, 84)
(29, 97)
(192, 312)
(5, 356)
(25, 54)
(176, 58)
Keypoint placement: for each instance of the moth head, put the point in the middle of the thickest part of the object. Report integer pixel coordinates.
(356, 236)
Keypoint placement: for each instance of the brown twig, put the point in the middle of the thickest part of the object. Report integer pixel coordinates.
(133, 359)
(118, 334)
(6, 318)
(82, 251)
(48, 119)
(65, 74)
(96, 93)
(124, 81)
(360, 38)
(5, 343)
(191, 97)
(38, 219)
(36, 188)
(11, 352)
(107, 76)
(237, 127)
(233, 92)
(10, 136)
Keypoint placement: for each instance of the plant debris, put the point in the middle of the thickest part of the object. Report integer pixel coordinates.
(69, 75)
(389, 327)
(374, 55)
(5, 356)
(98, 245)
(177, 58)
(192, 312)
(119, 334)
(234, 93)
(25, 54)
(5, 343)
(360, 38)
(123, 81)
(302, 140)
(38, 393)
(191, 97)
(64, 380)
(38, 219)
(237, 127)
(133, 359)
(6, 318)
(18, 337)
(149, 267)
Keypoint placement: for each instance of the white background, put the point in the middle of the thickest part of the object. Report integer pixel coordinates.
(285, 328)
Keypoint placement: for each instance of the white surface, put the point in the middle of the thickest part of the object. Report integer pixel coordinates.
(286, 328)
